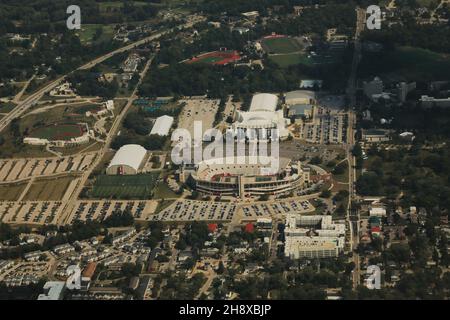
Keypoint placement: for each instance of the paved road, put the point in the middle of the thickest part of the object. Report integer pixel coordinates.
(351, 95)
(70, 205)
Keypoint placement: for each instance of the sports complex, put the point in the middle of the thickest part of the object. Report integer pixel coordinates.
(280, 44)
(59, 134)
(248, 176)
(124, 186)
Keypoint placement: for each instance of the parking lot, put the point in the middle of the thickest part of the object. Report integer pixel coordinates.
(191, 210)
(201, 109)
(12, 170)
(30, 212)
(100, 210)
(296, 150)
(328, 127)
(280, 207)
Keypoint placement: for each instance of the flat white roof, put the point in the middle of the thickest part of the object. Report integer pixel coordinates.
(162, 125)
(264, 102)
(129, 155)
(305, 95)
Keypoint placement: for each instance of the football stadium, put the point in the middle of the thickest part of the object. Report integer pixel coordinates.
(248, 176)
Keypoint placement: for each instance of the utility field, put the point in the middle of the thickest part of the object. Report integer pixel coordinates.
(124, 187)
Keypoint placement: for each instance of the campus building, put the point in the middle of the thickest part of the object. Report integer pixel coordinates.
(313, 237)
(128, 160)
(248, 176)
(162, 125)
(261, 119)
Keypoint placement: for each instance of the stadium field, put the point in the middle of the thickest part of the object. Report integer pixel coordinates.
(280, 45)
(58, 132)
(125, 187)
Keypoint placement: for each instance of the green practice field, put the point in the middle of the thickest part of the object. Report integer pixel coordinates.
(58, 132)
(125, 187)
(282, 45)
(286, 60)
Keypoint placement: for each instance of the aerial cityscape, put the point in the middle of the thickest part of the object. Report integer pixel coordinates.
(224, 150)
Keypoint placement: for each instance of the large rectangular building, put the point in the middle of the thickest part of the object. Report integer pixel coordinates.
(313, 237)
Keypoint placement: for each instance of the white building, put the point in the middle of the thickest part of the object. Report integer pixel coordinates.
(377, 212)
(127, 160)
(53, 290)
(313, 237)
(261, 119)
(300, 97)
(162, 125)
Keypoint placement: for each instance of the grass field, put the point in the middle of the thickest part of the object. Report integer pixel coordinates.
(58, 132)
(282, 45)
(6, 107)
(287, 60)
(125, 187)
(407, 63)
(48, 189)
(162, 191)
(11, 192)
(88, 31)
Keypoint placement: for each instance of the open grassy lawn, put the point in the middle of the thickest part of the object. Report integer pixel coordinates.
(407, 63)
(88, 31)
(48, 189)
(124, 187)
(281, 45)
(162, 191)
(11, 192)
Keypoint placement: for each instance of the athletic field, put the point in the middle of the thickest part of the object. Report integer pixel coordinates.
(58, 132)
(217, 57)
(280, 45)
(125, 187)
